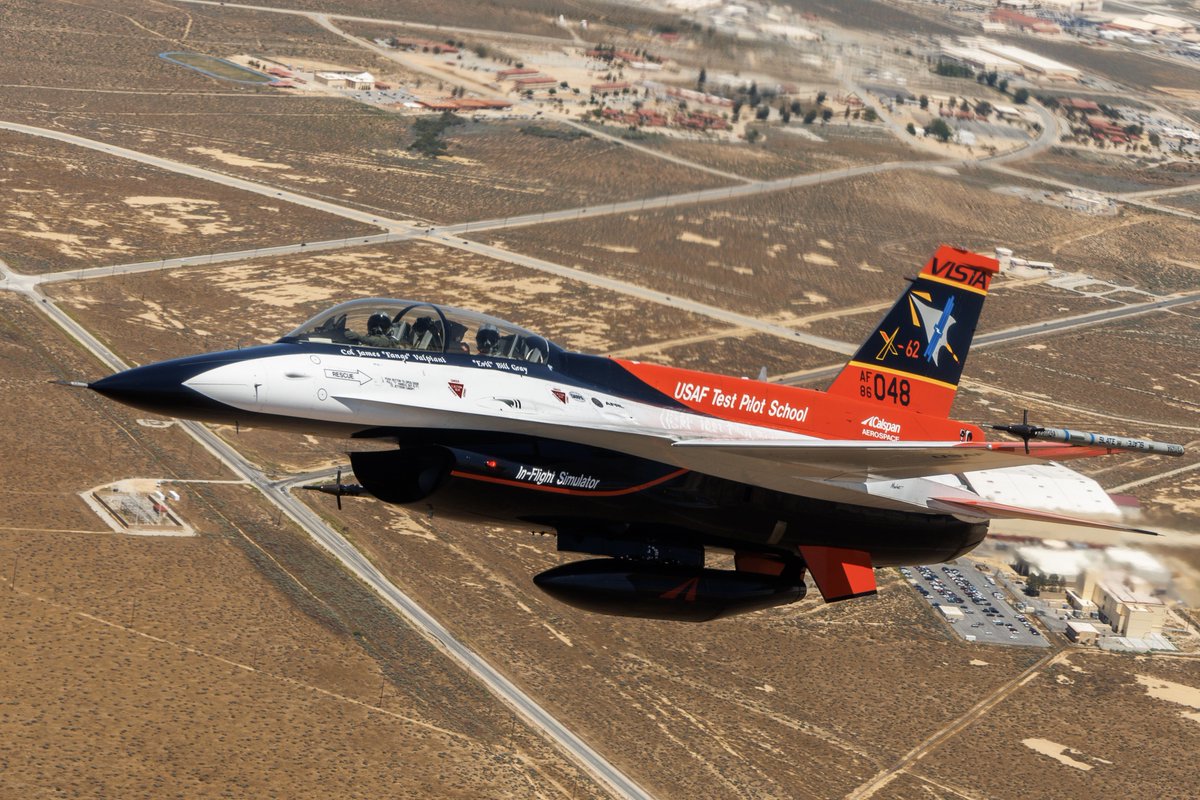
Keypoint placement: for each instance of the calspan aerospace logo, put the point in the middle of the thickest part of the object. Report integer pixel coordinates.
(880, 428)
(935, 323)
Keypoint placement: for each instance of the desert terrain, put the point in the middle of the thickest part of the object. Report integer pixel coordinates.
(249, 660)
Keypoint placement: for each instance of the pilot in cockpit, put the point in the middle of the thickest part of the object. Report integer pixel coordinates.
(487, 340)
(377, 330)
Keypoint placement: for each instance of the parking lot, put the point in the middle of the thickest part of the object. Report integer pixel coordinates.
(986, 614)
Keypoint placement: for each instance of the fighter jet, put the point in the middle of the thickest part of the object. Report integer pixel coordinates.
(657, 470)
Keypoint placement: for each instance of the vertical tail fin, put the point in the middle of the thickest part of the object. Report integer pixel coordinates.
(916, 356)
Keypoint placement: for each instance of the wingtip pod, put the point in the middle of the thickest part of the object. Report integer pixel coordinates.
(916, 356)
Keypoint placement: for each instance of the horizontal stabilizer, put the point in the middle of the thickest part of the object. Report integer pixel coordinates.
(986, 509)
(840, 574)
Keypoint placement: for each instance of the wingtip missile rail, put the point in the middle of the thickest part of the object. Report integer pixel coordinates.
(1086, 439)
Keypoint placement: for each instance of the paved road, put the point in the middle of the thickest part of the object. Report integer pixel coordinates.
(26, 281)
(1033, 329)
(652, 295)
(523, 37)
(181, 168)
(1187, 188)
(595, 764)
(718, 194)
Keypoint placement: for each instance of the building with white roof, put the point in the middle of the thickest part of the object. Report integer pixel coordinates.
(980, 59)
(1032, 62)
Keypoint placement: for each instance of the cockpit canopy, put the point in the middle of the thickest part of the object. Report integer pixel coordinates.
(416, 326)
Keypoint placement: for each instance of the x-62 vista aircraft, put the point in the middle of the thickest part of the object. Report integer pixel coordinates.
(651, 467)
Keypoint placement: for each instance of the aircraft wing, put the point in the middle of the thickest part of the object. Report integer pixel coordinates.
(862, 460)
(984, 509)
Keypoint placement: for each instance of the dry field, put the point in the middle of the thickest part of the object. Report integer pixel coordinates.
(119, 50)
(240, 661)
(1011, 302)
(157, 315)
(1186, 202)
(1149, 365)
(783, 152)
(1106, 171)
(335, 148)
(850, 243)
(347, 152)
(516, 16)
(1132, 69)
(49, 462)
(1092, 725)
(733, 351)
(875, 16)
(70, 207)
(759, 706)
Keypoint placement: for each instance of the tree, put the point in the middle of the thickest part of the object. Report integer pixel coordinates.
(752, 135)
(983, 108)
(951, 70)
(869, 115)
(810, 117)
(785, 115)
(1021, 96)
(1155, 140)
(429, 131)
(912, 129)
(796, 107)
(1033, 585)
(1133, 130)
(700, 81)
(924, 101)
(827, 114)
(763, 112)
(991, 78)
(737, 109)
(753, 94)
(820, 98)
(940, 129)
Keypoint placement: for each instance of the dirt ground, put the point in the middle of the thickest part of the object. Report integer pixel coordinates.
(722, 714)
(237, 661)
(1111, 171)
(785, 151)
(203, 308)
(828, 247)
(245, 662)
(70, 207)
(1106, 708)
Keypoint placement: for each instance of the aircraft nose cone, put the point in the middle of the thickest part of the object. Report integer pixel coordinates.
(159, 389)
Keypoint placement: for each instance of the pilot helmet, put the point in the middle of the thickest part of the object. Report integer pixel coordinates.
(379, 323)
(487, 337)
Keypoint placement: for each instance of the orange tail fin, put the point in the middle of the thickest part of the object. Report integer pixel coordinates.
(916, 357)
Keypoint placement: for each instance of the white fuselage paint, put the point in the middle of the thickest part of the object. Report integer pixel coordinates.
(365, 388)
